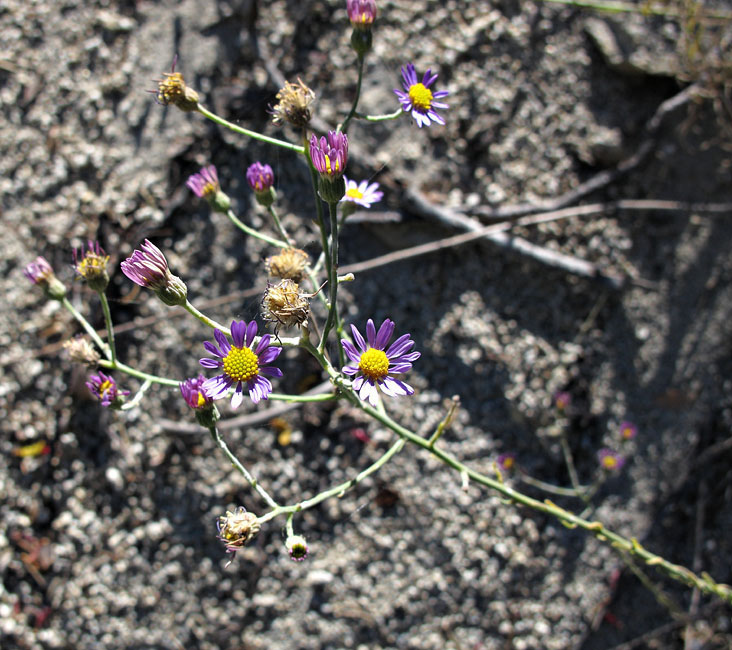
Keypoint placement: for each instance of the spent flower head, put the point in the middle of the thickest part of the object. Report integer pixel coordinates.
(297, 547)
(290, 264)
(628, 430)
(284, 305)
(374, 364)
(610, 460)
(363, 193)
(241, 364)
(148, 267)
(91, 265)
(293, 105)
(104, 388)
(39, 272)
(261, 179)
(418, 99)
(237, 529)
(172, 89)
(205, 185)
(80, 350)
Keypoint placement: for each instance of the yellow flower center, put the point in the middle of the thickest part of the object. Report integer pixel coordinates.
(374, 364)
(353, 193)
(609, 462)
(171, 88)
(508, 462)
(421, 97)
(104, 387)
(331, 169)
(208, 189)
(92, 264)
(201, 401)
(241, 364)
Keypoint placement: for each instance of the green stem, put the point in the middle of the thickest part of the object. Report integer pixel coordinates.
(138, 373)
(106, 350)
(338, 490)
(344, 126)
(677, 572)
(569, 461)
(332, 278)
(379, 118)
(138, 396)
(251, 134)
(205, 319)
(254, 233)
(552, 489)
(242, 470)
(279, 226)
(110, 327)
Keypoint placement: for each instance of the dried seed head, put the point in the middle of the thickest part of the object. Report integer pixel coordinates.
(288, 265)
(173, 90)
(237, 529)
(80, 350)
(293, 105)
(284, 305)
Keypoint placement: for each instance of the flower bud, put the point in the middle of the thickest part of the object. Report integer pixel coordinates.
(40, 272)
(297, 547)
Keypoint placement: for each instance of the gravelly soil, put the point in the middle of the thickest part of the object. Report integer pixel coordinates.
(109, 540)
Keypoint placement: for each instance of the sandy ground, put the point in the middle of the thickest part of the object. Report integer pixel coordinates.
(108, 540)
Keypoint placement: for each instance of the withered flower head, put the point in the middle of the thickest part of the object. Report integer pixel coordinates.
(81, 351)
(288, 265)
(293, 105)
(284, 305)
(173, 90)
(237, 529)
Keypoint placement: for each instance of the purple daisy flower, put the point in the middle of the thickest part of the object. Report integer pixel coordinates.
(374, 365)
(260, 177)
(507, 461)
(329, 155)
(193, 392)
(105, 389)
(418, 99)
(361, 13)
(205, 183)
(362, 193)
(241, 364)
(628, 430)
(610, 460)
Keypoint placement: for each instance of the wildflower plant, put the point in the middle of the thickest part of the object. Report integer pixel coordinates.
(359, 369)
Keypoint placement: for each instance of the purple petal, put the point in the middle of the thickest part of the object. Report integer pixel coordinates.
(358, 382)
(385, 332)
(349, 370)
(216, 387)
(369, 393)
(251, 332)
(351, 351)
(270, 371)
(212, 349)
(238, 330)
(223, 342)
(400, 367)
(269, 355)
(259, 388)
(263, 343)
(401, 345)
(358, 338)
(371, 332)
(209, 363)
